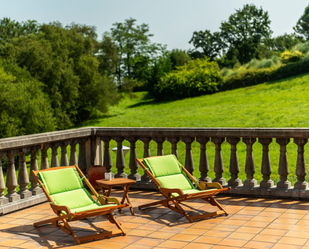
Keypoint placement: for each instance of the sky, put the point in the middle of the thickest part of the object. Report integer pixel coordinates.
(172, 22)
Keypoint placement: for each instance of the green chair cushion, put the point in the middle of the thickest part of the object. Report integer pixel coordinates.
(175, 181)
(168, 171)
(163, 165)
(58, 181)
(73, 199)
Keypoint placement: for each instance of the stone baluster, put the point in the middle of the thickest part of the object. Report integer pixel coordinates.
(283, 164)
(146, 141)
(266, 165)
(234, 165)
(133, 164)
(73, 156)
(204, 167)
(54, 160)
(159, 141)
(120, 164)
(23, 179)
(44, 158)
(35, 189)
(249, 167)
(82, 164)
(301, 170)
(107, 160)
(3, 199)
(189, 164)
(174, 141)
(64, 155)
(218, 168)
(11, 181)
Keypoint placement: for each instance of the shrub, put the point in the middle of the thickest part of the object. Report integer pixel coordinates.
(198, 77)
(302, 47)
(288, 57)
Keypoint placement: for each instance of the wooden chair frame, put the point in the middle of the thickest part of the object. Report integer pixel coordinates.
(69, 216)
(173, 203)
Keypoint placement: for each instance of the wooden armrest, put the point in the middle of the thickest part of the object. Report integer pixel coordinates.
(107, 200)
(58, 209)
(113, 200)
(205, 185)
(168, 191)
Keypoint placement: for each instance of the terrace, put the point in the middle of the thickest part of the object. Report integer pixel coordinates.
(263, 214)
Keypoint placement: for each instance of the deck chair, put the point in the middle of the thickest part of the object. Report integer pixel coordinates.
(70, 201)
(175, 183)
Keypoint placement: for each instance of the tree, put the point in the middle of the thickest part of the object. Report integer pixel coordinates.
(132, 41)
(207, 44)
(179, 58)
(11, 28)
(245, 30)
(302, 25)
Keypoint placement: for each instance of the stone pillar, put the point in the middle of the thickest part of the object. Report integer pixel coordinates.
(204, 167)
(64, 155)
(54, 160)
(23, 179)
(146, 141)
(35, 189)
(120, 164)
(96, 151)
(218, 168)
(107, 162)
(189, 164)
(133, 164)
(11, 181)
(283, 164)
(82, 164)
(301, 170)
(174, 141)
(3, 199)
(249, 167)
(234, 165)
(159, 141)
(73, 156)
(44, 158)
(266, 165)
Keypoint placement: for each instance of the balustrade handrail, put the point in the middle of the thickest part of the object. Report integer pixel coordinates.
(91, 152)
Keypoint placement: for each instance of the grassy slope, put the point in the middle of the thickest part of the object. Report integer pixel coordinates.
(278, 104)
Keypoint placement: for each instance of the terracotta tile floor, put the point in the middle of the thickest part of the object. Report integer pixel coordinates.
(252, 223)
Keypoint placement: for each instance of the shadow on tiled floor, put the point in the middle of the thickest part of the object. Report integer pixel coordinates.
(252, 223)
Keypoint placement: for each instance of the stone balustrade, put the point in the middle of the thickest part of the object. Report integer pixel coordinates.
(86, 149)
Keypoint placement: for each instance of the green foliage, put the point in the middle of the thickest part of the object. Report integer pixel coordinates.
(63, 59)
(302, 25)
(206, 44)
(24, 108)
(133, 45)
(10, 28)
(245, 30)
(198, 77)
(302, 47)
(285, 42)
(256, 76)
(178, 58)
(287, 56)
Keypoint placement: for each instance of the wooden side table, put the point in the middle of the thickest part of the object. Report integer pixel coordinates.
(125, 183)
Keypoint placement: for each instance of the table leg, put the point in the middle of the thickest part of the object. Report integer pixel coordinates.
(126, 196)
